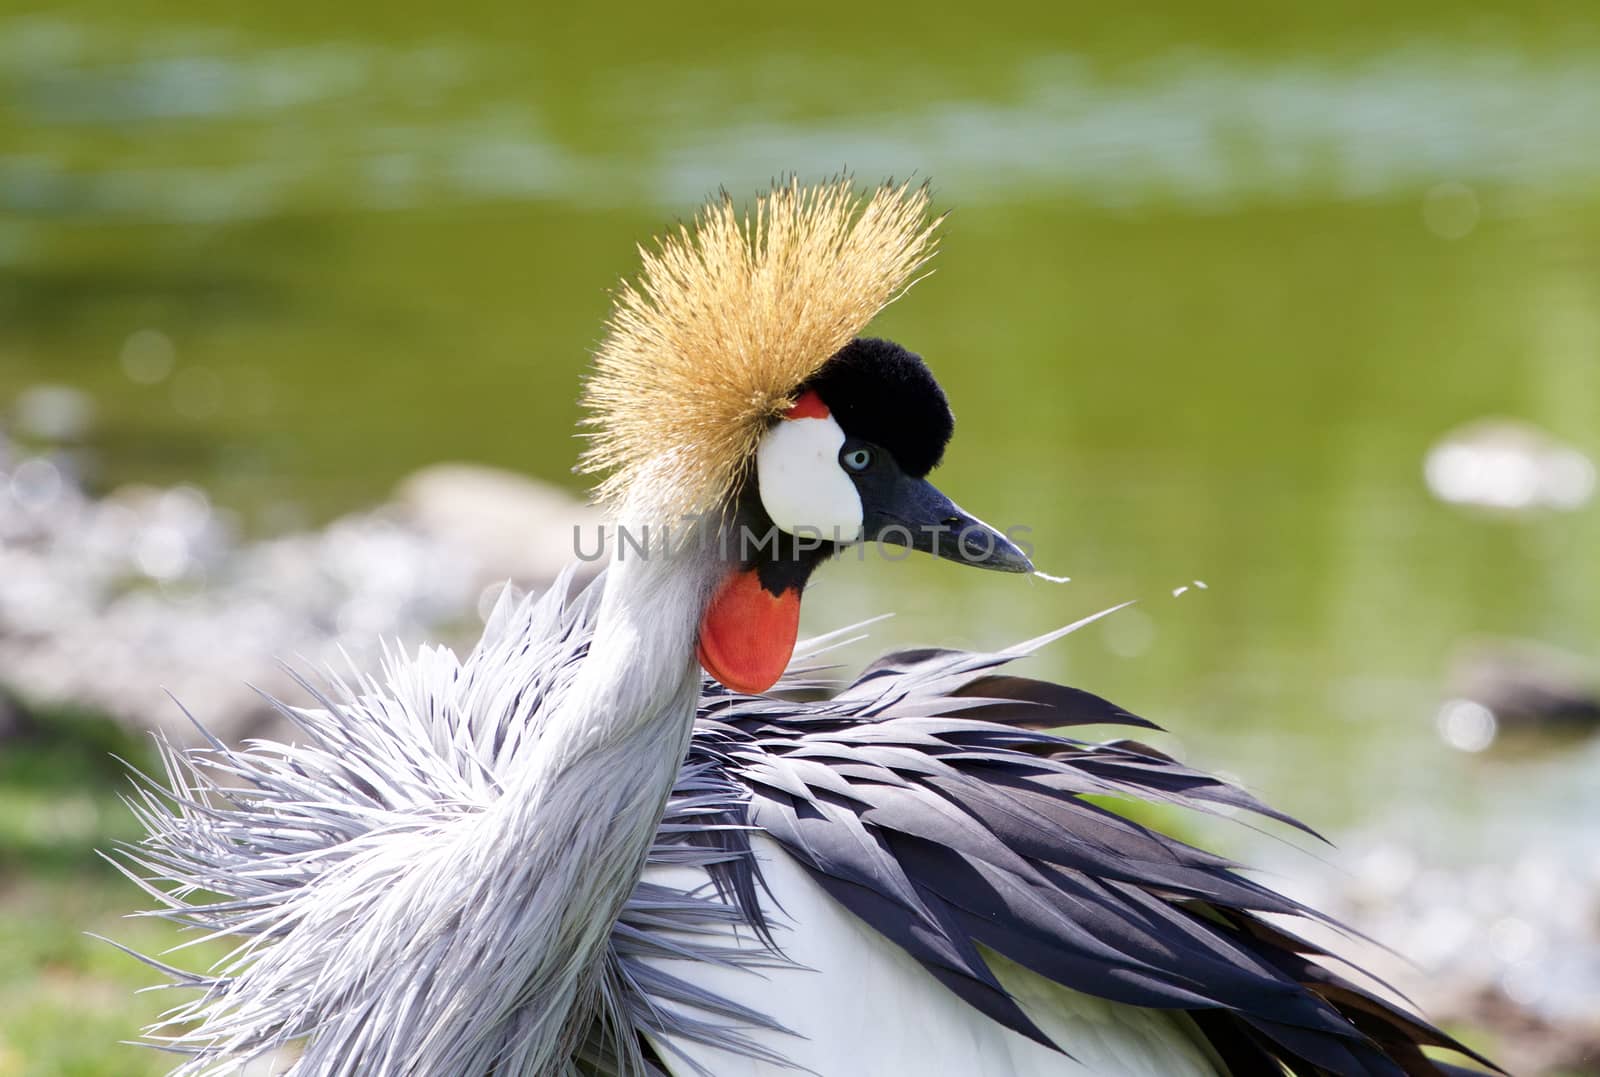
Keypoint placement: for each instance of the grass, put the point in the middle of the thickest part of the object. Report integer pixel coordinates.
(70, 1000)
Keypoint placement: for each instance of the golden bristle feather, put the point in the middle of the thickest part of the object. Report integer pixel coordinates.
(728, 318)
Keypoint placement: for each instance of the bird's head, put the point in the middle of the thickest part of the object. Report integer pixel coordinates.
(733, 387)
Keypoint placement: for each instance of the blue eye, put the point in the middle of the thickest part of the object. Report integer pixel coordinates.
(856, 459)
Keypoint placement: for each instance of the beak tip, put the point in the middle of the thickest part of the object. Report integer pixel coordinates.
(997, 553)
(924, 519)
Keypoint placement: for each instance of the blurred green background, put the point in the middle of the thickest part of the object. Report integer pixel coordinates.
(1216, 280)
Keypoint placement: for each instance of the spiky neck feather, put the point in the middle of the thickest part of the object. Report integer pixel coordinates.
(585, 809)
(643, 646)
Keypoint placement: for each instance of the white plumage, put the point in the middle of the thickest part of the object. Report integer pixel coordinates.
(856, 1004)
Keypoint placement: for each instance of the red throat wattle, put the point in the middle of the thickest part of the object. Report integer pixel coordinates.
(747, 635)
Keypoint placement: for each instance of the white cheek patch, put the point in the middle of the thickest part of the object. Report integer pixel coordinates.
(803, 487)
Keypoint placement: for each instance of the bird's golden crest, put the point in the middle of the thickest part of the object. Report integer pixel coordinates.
(729, 316)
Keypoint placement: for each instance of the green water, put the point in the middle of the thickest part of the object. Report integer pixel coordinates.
(1197, 309)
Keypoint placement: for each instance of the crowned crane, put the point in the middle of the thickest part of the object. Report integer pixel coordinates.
(598, 846)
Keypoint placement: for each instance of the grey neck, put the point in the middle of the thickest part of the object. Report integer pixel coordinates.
(581, 815)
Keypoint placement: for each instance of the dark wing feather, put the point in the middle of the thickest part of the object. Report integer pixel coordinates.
(927, 799)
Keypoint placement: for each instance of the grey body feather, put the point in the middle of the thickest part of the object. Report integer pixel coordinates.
(389, 872)
(427, 881)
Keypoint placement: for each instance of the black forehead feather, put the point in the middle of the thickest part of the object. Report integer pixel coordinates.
(881, 393)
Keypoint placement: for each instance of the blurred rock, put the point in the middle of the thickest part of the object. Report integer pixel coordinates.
(1528, 685)
(517, 528)
(55, 413)
(15, 721)
(110, 604)
(1510, 467)
(1507, 946)
(1528, 1043)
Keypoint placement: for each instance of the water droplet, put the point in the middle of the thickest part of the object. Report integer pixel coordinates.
(1525, 985)
(162, 552)
(1466, 725)
(1512, 939)
(1450, 210)
(36, 484)
(196, 392)
(186, 508)
(147, 356)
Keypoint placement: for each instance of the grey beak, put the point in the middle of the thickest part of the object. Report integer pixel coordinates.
(920, 517)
